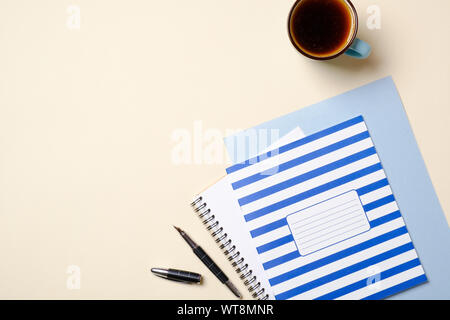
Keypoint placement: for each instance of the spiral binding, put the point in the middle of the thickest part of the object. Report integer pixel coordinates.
(230, 250)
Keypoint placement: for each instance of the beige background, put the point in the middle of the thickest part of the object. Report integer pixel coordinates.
(86, 119)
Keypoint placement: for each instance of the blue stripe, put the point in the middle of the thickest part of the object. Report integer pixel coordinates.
(280, 260)
(307, 176)
(397, 288)
(389, 217)
(372, 187)
(365, 282)
(302, 159)
(337, 256)
(274, 244)
(296, 144)
(268, 227)
(378, 203)
(307, 194)
(345, 271)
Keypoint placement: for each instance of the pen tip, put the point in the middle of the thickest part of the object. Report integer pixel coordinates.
(233, 289)
(176, 228)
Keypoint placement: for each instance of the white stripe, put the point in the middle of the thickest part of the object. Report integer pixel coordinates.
(382, 211)
(384, 284)
(301, 261)
(275, 177)
(341, 264)
(296, 152)
(375, 195)
(271, 236)
(278, 252)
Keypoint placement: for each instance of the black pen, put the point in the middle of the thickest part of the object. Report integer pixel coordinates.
(177, 275)
(199, 252)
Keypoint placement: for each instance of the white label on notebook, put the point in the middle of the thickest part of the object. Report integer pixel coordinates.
(328, 222)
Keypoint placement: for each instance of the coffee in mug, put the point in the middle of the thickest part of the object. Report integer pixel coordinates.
(324, 29)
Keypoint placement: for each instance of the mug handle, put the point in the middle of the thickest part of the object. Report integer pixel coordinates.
(359, 49)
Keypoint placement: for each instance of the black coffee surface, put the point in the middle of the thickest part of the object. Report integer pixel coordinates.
(321, 27)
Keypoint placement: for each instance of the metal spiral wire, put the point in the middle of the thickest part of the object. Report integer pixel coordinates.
(229, 249)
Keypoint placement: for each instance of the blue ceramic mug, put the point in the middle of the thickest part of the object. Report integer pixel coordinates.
(325, 29)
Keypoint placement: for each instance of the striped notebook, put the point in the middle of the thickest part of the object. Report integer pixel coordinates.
(316, 219)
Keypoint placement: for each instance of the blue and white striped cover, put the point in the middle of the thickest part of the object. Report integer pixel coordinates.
(370, 265)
